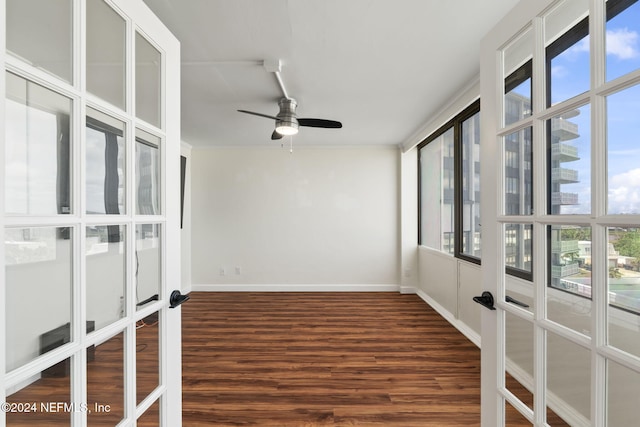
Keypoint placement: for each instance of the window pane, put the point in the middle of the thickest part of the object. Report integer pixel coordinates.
(623, 153)
(623, 262)
(568, 379)
(40, 32)
(37, 150)
(623, 42)
(148, 263)
(567, 50)
(105, 251)
(570, 255)
(518, 173)
(471, 186)
(106, 32)
(518, 248)
(147, 173)
(106, 404)
(519, 358)
(147, 356)
(43, 400)
(38, 281)
(623, 389)
(437, 193)
(517, 84)
(105, 166)
(569, 136)
(147, 81)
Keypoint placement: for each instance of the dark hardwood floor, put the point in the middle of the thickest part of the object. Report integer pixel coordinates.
(295, 359)
(325, 359)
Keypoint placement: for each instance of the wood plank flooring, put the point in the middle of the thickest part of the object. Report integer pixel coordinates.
(325, 359)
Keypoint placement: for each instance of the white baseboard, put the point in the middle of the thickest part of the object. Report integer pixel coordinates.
(294, 288)
(472, 335)
(408, 290)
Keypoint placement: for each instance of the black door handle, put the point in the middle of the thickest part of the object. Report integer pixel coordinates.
(177, 298)
(507, 298)
(486, 300)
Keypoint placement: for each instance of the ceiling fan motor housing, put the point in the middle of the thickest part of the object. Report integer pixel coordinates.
(287, 123)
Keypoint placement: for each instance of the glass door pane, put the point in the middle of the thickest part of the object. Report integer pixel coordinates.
(148, 66)
(37, 150)
(106, 38)
(106, 273)
(147, 173)
(45, 401)
(105, 165)
(106, 404)
(39, 278)
(40, 33)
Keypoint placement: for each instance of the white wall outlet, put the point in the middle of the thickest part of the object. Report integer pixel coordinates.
(238, 270)
(222, 271)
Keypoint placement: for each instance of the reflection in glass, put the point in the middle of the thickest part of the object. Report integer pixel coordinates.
(37, 151)
(519, 358)
(623, 389)
(518, 173)
(147, 356)
(437, 193)
(568, 379)
(623, 261)
(569, 139)
(106, 32)
(105, 249)
(623, 155)
(148, 62)
(471, 225)
(105, 166)
(567, 50)
(106, 404)
(40, 32)
(147, 173)
(570, 256)
(38, 284)
(623, 48)
(148, 263)
(518, 246)
(48, 398)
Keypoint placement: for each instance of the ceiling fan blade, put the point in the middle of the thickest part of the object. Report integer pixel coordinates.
(275, 135)
(320, 123)
(258, 114)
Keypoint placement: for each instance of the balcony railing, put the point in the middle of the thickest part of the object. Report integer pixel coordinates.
(564, 199)
(564, 176)
(564, 246)
(565, 270)
(564, 152)
(563, 129)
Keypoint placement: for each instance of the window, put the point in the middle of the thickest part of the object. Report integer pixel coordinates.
(449, 187)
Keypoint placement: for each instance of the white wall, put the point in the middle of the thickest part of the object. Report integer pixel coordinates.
(316, 219)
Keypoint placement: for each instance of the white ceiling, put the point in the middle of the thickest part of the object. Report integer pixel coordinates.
(381, 67)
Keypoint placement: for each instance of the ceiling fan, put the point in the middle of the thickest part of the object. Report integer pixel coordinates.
(287, 121)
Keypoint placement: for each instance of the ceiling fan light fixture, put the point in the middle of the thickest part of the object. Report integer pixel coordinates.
(287, 126)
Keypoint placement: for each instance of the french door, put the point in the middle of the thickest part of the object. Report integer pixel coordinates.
(90, 215)
(560, 83)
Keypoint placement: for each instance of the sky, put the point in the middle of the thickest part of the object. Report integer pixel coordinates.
(570, 77)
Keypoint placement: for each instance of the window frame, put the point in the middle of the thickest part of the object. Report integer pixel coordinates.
(456, 124)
